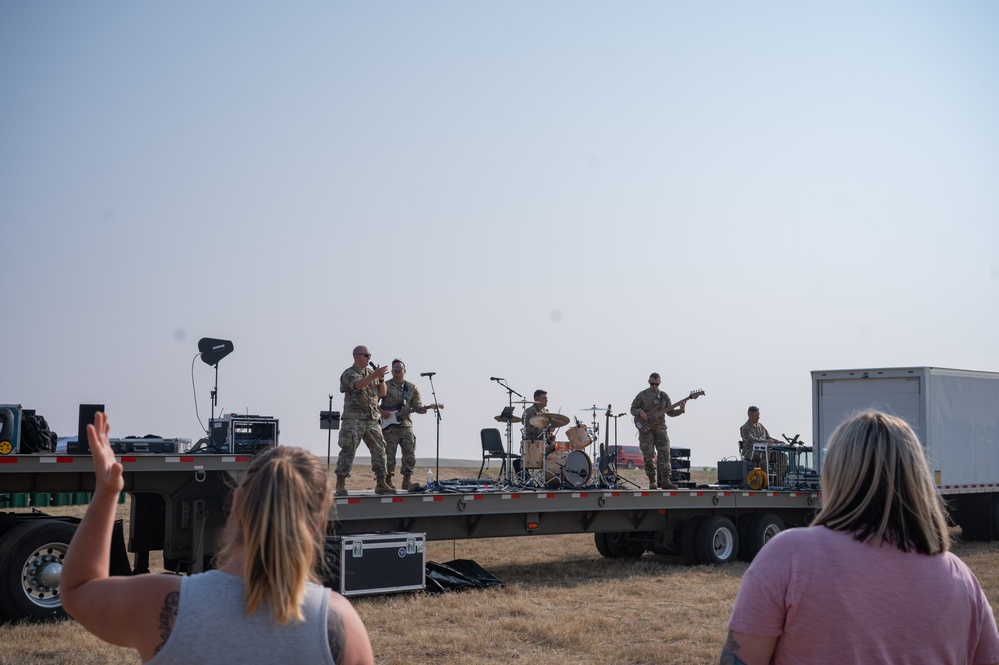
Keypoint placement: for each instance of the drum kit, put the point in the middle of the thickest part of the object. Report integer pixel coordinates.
(566, 463)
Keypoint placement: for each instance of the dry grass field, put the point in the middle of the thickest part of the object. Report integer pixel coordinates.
(561, 603)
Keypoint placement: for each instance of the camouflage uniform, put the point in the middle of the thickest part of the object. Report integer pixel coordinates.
(777, 461)
(532, 433)
(359, 422)
(655, 439)
(750, 434)
(404, 398)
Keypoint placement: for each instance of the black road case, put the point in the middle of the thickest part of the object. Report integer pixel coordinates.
(374, 563)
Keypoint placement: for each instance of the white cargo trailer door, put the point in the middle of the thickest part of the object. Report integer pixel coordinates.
(840, 398)
(964, 424)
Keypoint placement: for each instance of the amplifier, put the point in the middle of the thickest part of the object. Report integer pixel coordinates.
(733, 472)
(149, 444)
(236, 434)
(374, 563)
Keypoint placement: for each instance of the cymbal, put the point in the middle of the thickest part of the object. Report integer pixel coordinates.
(526, 401)
(511, 419)
(543, 420)
(593, 408)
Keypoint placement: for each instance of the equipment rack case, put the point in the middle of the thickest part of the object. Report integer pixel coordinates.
(375, 563)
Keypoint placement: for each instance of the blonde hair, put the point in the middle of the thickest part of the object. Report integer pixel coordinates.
(876, 483)
(280, 519)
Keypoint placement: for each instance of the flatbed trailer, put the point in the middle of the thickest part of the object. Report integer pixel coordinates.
(179, 504)
(704, 524)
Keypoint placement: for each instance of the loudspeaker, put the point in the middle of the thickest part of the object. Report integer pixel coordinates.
(87, 412)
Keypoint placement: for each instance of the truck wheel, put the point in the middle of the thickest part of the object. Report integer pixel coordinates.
(630, 465)
(717, 541)
(688, 539)
(600, 540)
(761, 529)
(31, 556)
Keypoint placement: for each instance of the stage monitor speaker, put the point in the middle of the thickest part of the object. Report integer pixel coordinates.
(87, 412)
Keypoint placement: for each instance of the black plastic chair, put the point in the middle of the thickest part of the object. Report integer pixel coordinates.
(492, 448)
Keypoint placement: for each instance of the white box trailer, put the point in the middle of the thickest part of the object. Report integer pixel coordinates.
(955, 414)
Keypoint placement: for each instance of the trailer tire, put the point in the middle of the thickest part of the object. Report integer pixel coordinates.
(761, 529)
(717, 541)
(688, 539)
(31, 556)
(600, 540)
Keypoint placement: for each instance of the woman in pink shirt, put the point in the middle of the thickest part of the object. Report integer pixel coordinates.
(872, 580)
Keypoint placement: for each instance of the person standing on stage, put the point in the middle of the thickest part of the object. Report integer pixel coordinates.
(754, 432)
(403, 399)
(361, 386)
(655, 439)
(532, 432)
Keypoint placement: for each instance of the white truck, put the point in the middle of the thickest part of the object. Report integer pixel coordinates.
(954, 412)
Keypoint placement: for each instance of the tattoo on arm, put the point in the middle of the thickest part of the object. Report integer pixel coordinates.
(728, 654)
(168, 617)
(336, 634)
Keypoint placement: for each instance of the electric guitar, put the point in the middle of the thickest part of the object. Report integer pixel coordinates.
(392, 417)
(657, 414)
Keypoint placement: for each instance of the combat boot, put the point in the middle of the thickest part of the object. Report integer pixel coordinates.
(388, 480)
(667, 484)
(652, 481)
(381, 487)
(406, 478)
(341, 486)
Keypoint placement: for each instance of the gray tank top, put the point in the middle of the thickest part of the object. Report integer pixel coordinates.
(211, 627)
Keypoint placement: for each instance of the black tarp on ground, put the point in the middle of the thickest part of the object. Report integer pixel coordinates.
(458, 575)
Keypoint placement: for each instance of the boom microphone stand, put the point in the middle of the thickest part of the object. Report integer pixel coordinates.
(437, 413)
(510, 392)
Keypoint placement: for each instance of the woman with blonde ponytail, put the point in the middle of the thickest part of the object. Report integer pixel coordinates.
(263, 603)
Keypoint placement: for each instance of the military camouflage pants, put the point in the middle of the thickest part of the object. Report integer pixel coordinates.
(352, 432)
(400, 437)
(656, 441)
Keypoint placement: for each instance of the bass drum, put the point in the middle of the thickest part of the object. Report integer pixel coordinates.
(571, 469)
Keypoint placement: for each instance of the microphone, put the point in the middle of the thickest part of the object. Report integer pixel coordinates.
(427, 373)
(496, 378)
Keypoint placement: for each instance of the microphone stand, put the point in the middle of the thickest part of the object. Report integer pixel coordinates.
(510, 392)
(329, 439)
(437, 414)
(616, 448)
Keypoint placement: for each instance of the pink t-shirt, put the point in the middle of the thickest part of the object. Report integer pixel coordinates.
(832, 599)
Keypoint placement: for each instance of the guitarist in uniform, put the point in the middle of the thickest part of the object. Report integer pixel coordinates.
(403, 398)
(655, 439)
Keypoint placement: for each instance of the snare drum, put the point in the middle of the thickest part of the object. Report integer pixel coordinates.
(570, 468)
(533, 453)
(579, 437)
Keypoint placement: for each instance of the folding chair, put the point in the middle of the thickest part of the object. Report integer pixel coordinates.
(492, 448)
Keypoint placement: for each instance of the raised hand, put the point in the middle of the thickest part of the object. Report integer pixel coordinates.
(107, 470)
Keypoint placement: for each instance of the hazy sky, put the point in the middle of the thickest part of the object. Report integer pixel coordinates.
(568, 195)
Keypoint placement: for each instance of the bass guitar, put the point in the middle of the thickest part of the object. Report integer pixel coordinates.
(392, 417)
(657, 414)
